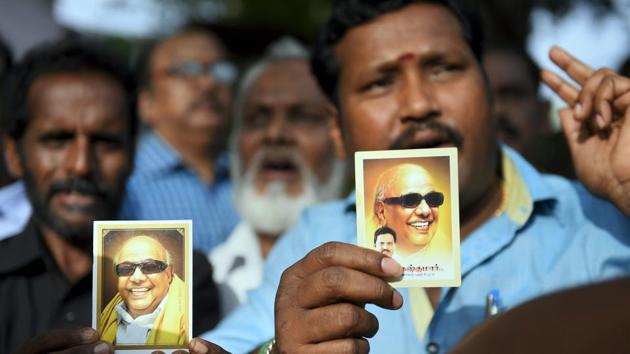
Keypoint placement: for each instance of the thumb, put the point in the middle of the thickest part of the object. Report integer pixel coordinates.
(200, 346)
(571, 128)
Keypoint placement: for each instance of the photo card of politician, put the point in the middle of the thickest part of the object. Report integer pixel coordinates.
(142, 284)
(408, 209)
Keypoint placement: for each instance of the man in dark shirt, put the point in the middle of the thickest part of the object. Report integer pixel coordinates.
(69, 112)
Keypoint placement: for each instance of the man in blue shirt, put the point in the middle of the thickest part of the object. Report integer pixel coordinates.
(407, 74)
(180, 172)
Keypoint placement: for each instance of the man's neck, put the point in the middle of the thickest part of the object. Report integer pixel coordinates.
(482, 209)
(266, 242)
(74, 262)
(201, 157)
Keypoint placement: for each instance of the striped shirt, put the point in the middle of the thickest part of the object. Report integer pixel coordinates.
(162, 187)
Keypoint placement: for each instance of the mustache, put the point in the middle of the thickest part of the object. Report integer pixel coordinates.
(209, 97)
(407, 135)
(78, 185)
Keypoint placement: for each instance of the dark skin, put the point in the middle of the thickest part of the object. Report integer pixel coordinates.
(286, 110)
(190, 113)
(521, 113)
(78, 129)
(397, 74)
(596, 125)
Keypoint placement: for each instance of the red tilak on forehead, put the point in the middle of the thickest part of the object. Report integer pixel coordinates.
(406, 56)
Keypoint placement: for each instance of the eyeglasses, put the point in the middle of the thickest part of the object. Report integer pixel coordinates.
(150, 266)
(223, 71)
(412, 200)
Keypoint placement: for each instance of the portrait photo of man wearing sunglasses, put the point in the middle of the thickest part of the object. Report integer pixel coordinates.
(150, 305)
(407, 201)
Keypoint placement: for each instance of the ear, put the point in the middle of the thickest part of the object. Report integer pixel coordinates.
(169, 273)
(379, 210)
(147, 107)
(336, 134)
(12, 157)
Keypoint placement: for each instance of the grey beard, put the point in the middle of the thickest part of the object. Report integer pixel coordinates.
(274, 210)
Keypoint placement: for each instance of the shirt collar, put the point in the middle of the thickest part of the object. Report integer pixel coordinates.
(524, 190)
(10, 192)
(155, 155)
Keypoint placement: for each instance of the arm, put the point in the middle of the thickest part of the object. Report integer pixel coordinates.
(320, 302)
(596, 126)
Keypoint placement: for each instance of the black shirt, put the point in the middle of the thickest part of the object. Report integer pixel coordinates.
(35, 296)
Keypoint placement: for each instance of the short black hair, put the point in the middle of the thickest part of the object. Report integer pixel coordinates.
(66, 56)
(143, 64)
(347, 14)
(6, 58)
(384, 230)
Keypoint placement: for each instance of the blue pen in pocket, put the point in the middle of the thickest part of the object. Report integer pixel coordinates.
(493, 303)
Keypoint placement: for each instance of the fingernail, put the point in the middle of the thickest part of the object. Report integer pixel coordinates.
(397, 299)
(198, 347)
(390, 266)
(578, 109)
(89, 335)
(101, 348)
(600, 121)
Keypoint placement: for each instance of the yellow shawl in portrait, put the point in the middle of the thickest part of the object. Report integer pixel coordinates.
(169, 327)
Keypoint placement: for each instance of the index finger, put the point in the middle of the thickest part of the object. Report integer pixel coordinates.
(337, 254)
(59, 339)
(576, 69)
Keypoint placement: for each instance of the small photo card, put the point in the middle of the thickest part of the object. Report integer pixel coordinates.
(142, 284)
(408, 209)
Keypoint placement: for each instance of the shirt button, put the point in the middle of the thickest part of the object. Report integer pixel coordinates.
(433, 348)
(70, 316)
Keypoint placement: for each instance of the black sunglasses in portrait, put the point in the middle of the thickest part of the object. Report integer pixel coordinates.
(149, 266)
(412, 200)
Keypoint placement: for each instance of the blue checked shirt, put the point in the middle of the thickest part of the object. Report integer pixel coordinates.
(541, 242)
(163, 187)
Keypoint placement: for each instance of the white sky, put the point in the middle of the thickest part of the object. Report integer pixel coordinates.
(599, 42)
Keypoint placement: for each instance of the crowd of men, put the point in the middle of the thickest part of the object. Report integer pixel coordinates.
(283, 273)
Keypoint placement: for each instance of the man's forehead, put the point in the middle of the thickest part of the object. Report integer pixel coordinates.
(416, 28)
(386, 236)
(407, 178)
(142, 247)
(89, 98)
(285, 80)
(185, 46)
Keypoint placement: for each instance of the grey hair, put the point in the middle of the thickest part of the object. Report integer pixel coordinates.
(285, 48)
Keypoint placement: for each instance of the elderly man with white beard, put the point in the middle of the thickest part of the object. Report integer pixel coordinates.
(282, 161)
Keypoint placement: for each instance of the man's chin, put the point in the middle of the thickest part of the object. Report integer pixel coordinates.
(77, 229)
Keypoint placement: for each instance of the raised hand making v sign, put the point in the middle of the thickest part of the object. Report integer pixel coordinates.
(596, 125)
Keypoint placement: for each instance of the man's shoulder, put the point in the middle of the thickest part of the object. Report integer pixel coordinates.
(19, 250)
(153, 155)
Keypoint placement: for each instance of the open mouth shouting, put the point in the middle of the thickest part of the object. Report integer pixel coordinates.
(279, 167)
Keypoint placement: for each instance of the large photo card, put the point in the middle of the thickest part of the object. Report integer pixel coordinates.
(408, 209)
(142, 285)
